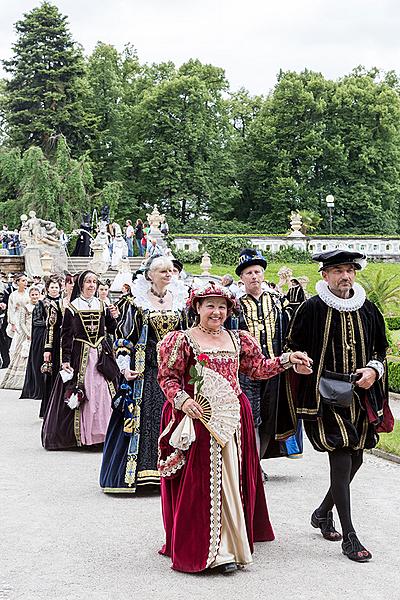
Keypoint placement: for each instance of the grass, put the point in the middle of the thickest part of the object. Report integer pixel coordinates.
(390, 442)
(308, 269)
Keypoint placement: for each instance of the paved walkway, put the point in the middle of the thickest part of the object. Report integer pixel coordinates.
(62, 539)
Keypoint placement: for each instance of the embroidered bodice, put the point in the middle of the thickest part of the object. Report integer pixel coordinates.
(224, 362)
(179, 351)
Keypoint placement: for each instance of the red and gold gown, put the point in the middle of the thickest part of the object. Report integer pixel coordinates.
(213, 501)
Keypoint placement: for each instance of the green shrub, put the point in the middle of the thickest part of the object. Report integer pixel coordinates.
(226, 250)
(186, 256)
(291, 254)
(393, 323)
(394, 376)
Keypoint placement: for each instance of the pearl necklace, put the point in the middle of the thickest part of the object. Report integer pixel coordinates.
(158, 295)
(209, 331)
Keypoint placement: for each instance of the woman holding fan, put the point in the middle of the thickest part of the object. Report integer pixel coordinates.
(207, 451)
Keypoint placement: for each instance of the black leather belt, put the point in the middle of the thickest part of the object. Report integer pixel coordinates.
(349, 377)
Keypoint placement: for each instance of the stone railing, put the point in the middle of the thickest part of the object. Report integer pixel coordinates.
(380, 248)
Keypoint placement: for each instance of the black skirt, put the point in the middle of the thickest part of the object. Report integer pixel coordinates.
(33, 383)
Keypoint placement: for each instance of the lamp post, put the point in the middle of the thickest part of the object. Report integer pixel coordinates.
(330, 203)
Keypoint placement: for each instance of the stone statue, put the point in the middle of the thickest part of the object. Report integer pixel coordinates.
(101, 254)
(40, 237)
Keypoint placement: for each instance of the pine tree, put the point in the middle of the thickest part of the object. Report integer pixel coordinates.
(43, 96)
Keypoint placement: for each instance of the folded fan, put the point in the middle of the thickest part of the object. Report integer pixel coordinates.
(220, 404)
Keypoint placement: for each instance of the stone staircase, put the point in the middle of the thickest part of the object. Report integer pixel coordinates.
(76, 264)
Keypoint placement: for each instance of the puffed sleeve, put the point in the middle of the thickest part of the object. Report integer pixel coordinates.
(67, 336)
(173, 355)
(252, 361)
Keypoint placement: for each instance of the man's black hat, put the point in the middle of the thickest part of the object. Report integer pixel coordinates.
(177, 264)
(332, 258)
(249, 257)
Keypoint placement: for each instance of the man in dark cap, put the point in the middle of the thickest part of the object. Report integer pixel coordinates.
(262, 314)
(344, 402)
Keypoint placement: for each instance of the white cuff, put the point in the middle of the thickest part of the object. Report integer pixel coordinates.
(180, 399)
(123, 362)
(377, 366)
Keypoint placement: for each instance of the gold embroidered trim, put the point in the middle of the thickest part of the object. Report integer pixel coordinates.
(322, 435)
(174, 352)
(77, 426)
(88, 343)
(321, 363)
(215, 499)
(148, 473)
(163, 323)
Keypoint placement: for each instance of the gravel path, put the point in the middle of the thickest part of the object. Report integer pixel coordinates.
(62, 539)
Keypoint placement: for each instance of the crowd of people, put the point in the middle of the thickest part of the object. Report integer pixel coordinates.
(188, 387)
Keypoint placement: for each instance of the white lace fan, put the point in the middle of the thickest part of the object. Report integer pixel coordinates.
(220, 404)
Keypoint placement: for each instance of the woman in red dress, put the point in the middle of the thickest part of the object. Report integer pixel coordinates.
(213, 500)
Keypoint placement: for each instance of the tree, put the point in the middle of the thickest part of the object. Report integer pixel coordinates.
(179, 152)
(43, 96)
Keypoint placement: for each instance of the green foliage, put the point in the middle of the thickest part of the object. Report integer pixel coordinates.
(393, 323)
(225, 250)
(290, 254)
(43, 96)
(394, 376)
(186, 256)
(381, 290)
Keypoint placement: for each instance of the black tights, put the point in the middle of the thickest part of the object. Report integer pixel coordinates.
(344, 464)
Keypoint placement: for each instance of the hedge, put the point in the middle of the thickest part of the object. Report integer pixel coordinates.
(394, 376)
(393, 323)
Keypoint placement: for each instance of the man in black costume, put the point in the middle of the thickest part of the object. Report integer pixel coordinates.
(82, 246)
(262, 314)
(344, 334)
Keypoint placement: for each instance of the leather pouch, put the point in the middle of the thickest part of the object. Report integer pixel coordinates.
(335, 392)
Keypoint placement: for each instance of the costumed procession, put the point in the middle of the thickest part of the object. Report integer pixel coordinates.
(191, 385)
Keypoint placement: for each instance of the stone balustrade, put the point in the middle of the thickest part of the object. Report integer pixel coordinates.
(380, 248)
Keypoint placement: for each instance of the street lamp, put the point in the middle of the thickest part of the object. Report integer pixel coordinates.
(330, 203)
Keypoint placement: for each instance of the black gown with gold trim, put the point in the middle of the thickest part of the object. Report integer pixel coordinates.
(81, 331)
(138, 333)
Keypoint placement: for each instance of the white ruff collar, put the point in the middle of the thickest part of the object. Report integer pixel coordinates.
(141, 286)
(341, 304)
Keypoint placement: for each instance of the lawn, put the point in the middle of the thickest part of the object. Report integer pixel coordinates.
(390, 442)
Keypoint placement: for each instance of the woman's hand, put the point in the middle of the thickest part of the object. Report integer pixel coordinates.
(67, 367)
(114, 312)
(129, 374)
(47, 357)
(301, 362)
(192, 409)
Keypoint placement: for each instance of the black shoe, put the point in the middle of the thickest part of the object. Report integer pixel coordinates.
(326, 525)
(228, 568)
(354, 550)
(264, 476)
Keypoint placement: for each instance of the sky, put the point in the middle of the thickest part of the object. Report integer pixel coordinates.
(252, 40)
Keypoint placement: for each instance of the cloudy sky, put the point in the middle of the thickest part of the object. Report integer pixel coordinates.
(251, 39)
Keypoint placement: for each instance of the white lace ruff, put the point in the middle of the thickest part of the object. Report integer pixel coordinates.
(341, 304)
(141, 286)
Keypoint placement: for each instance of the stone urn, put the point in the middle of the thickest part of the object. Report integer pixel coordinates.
(206, 264)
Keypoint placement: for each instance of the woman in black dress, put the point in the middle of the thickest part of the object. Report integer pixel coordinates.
(34, 382)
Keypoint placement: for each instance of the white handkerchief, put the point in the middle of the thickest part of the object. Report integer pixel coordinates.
(184, 434)
(66, 375)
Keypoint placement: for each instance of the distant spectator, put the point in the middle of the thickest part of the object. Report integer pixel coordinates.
(129, 233)
(154, 249)
(228, 282)
(139, 235)
(164, 228)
